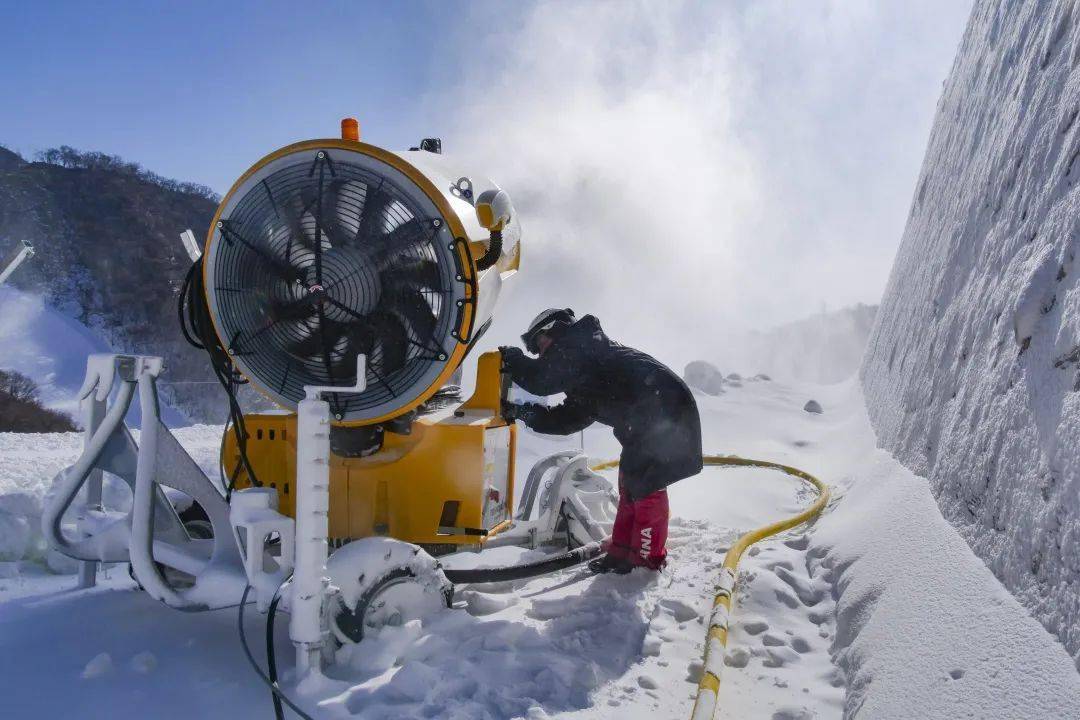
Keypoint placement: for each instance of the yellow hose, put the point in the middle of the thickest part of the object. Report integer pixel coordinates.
(716, 640)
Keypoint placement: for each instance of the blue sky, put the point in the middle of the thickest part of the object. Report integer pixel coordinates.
(199, 90)
(680, 168)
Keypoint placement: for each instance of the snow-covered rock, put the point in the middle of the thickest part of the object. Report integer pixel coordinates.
(972, 371)
(704, 376)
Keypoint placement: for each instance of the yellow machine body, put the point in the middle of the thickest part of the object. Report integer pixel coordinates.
(448, 482)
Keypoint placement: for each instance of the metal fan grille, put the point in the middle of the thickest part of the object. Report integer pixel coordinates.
(324, 255)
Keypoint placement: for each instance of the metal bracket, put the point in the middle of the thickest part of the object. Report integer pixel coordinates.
(150, 533)
(191, 247)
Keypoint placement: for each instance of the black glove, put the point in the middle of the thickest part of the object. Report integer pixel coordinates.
(511, 358)
(523, 412)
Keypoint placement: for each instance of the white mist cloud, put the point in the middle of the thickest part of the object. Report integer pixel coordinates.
(687, 172)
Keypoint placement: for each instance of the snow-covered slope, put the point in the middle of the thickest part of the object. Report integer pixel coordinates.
(879, 610)
(972, 373)
(46, 346)
(51, 348)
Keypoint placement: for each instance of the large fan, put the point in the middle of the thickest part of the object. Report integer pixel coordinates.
(325, 253)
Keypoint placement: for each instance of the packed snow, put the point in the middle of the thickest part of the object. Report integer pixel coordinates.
(972, 373)
(877, 610)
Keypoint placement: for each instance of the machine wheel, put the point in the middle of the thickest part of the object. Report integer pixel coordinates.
(394, 585)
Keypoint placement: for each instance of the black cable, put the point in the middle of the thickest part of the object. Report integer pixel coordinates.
(197, 326)
(271, 656)
(526, 570)
(278, 693)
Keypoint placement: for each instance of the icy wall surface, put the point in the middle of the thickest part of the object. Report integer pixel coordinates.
(972, 373)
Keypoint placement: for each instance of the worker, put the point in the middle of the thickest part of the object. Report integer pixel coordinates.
(649, 407)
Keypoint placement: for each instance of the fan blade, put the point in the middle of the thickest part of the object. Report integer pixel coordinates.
(301, 309)
(314, 333)
(408, 236)
(393, 342)
(334, 216)
(306, 346)
(373, 215)
(282, 269)
(420, 273)
(409, 305)
(294, 209)
(358, 341)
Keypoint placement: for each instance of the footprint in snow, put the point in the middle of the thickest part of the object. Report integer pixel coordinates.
(681, 611)
(770, 640)
(807, 595)
(799, 543)
(776, 657)
(787, 598)
(800, 645)
(736, 657)
(755, 627)
(647, 682)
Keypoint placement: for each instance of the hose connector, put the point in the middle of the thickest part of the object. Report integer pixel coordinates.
(494, 212)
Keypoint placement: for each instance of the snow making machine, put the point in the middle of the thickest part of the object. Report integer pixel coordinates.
(347, 284)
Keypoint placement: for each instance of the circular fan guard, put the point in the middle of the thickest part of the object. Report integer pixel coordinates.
(324, 254)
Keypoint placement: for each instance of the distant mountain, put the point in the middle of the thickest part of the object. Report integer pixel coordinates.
(108, 255)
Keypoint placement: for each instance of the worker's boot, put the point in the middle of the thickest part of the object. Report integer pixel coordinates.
(609, 563)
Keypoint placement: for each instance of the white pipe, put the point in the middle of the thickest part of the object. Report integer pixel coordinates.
(310, 581)
(26, 251)
(312, 512)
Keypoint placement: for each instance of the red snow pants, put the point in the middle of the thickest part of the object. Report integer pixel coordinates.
(640, 532)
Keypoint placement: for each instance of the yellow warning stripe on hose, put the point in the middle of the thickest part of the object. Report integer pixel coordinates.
(716, 640)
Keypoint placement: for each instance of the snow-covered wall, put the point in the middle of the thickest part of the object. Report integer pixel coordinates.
(972, 372)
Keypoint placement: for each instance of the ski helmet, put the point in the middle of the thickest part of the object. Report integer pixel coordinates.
(544, 322)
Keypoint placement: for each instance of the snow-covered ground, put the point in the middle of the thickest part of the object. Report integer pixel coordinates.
(879, 610)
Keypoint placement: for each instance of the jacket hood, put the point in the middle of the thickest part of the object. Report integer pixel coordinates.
(584, 326)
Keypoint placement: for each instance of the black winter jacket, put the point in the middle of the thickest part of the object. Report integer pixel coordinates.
(649, 407)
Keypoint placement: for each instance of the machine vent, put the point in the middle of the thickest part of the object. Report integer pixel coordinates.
(324, 254)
